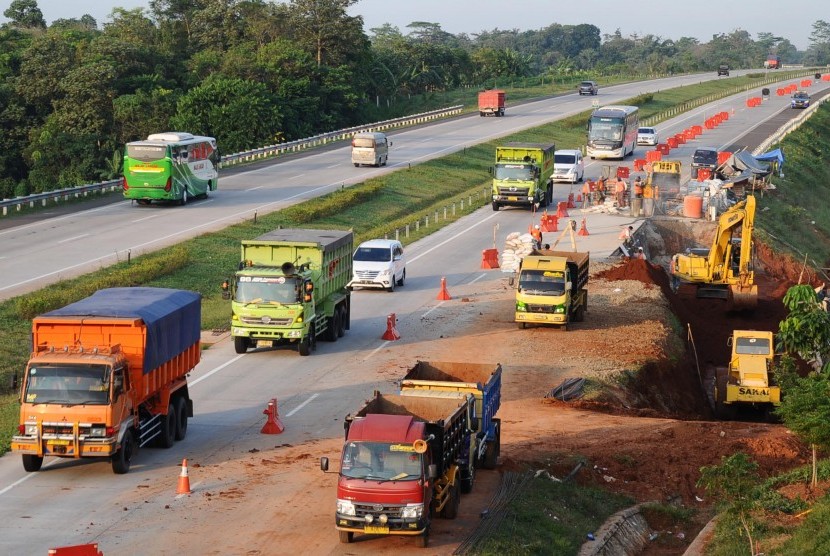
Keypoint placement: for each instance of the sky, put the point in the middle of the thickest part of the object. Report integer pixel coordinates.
(669, 19)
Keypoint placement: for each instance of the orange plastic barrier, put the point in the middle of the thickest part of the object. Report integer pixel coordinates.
(653, 156)
(697, 129)
(76, 550)
(703, 174)
(780, 91)
(562, 209)
(623, 172)
(688, 134)
(489, 259)
(724, 115)
(710, 123)
(693, 206)
(723, 156)
(638, 164)
(806, 83)
(672, 142)
(663, 148)
(681, 139)
(825, 77)
(550, 222)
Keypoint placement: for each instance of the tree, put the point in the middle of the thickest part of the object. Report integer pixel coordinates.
(327, 31)
(732, 482)
(26, 14)
(806, 330)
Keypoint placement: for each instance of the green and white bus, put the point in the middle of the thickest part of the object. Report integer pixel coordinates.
(170, 166)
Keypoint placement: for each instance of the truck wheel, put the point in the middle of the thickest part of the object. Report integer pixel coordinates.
(341, 328)
(422, 540)
(450, 511)
(168, 428)
(240, 344)
(181, 418)
(491, 454)
(32, 463)
(495, 206)
(304, 347)
(333, 325)
(468, 482)
(356, 164)
(522, 325)
(346, 536)
(122, 458)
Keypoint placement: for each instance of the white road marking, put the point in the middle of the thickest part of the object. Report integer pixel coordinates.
(146, 218)
(431, 310)
(255, 188)
(216, 370)
(67, 240)
(295, 177)
(377, 349)
(302, 405)
(25, 478)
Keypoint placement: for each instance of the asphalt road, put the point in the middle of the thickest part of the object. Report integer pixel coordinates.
(77, 502)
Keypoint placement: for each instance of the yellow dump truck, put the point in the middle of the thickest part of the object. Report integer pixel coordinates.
(748, 379)
(551, 288)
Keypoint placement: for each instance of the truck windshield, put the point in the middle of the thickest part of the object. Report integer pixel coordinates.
(373, 254)
(518, 172)
(542, 282)
(68, 384)
(380, 461)
(266, 289)
(752, 346)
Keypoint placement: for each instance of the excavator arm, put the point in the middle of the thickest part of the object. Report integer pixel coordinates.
(724, 272)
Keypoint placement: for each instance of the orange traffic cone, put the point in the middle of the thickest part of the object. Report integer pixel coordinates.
(583, 230)
(571, 201)
(443, 295)
(391, 328)
(272, 425)
(184, 480)
(579, 198)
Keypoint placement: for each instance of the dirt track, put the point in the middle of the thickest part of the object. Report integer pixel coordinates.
(646, 436)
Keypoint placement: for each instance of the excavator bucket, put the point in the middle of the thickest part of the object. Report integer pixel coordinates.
(742, 299)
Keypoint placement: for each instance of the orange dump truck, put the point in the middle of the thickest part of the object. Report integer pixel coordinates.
(108, 374)
(491, 103)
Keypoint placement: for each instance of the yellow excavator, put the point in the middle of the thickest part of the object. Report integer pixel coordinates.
(725, 271)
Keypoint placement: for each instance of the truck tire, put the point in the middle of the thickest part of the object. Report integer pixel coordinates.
(32, 462)
(181, 418)
(356, 165)
(466, 483)
(522, 325)
(240, 344)
(333, 323)
(304, 347)
(122, 458)
(491, 454)
(346, 536)
(450, 511)
(168, 428)
(422, 540)
(341, 328)
(496, 206)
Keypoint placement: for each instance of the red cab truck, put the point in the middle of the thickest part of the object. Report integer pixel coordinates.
(401, 463)
(108, 374)
(483, 381)
(491, 103)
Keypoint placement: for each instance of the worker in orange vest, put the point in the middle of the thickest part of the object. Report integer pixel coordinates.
(536, 234)
(586, 193)
(638, 188)
(619, 192)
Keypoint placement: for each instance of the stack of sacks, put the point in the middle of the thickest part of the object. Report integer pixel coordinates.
(516, 246)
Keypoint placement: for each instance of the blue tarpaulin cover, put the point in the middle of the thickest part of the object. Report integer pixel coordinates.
(776, 154)
(173, 317)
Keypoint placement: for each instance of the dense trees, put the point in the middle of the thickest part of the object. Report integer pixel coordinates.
(254, 71)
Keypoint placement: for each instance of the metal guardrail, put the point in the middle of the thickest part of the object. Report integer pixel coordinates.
(237, 158)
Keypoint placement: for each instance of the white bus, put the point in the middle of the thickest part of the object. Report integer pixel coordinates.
(612, 131)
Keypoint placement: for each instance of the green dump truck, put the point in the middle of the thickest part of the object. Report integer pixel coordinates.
(290, 289)
(522, 175)
(551, 288)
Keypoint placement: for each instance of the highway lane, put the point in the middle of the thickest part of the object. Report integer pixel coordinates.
(230, 391)
(45, 251)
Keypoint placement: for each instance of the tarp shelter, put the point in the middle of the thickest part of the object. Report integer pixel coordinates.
(776, 156)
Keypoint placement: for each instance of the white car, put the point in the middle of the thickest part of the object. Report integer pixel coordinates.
(378, 263)
(647, 136)
(568, 165)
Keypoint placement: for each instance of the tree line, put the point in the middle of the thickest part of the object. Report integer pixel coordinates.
(255, 72)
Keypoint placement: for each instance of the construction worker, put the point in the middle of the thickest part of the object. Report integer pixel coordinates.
(619, 191)
(586, 193)
(536, 234)
(638, 188)
(641, 254)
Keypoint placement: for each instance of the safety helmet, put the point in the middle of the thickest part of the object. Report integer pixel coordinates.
(536, 227)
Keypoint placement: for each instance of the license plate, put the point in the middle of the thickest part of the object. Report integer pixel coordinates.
(264, 343)
(376, 530)
(59, 443)
(512, 198)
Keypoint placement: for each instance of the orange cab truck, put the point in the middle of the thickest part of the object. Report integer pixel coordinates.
(107, 375)
(403, 461)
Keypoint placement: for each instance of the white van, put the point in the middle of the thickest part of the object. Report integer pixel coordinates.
(370, 147)
(568, 165)
(378, 263)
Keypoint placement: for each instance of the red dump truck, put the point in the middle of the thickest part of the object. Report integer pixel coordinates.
(402, 462)
(483, 381)
(107, 375)
(491, 103)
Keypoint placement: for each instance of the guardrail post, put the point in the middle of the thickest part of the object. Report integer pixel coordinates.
(407, 231)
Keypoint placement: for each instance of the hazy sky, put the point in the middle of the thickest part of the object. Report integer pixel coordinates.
(670, 19)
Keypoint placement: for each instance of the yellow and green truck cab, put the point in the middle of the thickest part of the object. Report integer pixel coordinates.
(290, 289)
(748, 379)
(550, 288)
(522, 175)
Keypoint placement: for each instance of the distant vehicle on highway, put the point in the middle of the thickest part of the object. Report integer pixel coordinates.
(568, 165)
(704, 157)
(647, 136)
(378, 263)
(723, 69)
(612, 131)
(370, 148)
(588, 88)
(800, 100)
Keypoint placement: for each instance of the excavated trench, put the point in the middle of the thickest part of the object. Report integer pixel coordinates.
(677, 388)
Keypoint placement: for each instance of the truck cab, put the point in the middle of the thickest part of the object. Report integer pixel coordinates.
(550, 288)
(748, 379)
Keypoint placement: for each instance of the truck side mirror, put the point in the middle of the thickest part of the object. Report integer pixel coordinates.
(324, 464)
(432, 471)
(568, 285)
(511, 280)
(490, 170)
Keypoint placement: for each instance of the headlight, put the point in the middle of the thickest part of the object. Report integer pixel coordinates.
(521, 306)
(412, 511)
(294, 334)
(384, 272)
(31, 430)
(345, 507)
(98, 431)
(560, 309)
